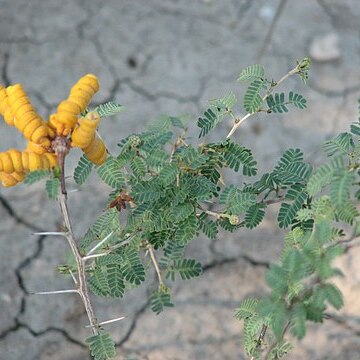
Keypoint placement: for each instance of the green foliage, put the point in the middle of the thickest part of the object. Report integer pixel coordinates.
(168, 190)
(288, 211)
(254, 215)
(82, 170)
(252, 98)
(108, 109)
(216, 112)
(52, 188)
(252, 72)
(277, 103)
(102, 347)
(187, 269)
(340, 145)
(110, 173)
(160, 299)
(37, 175)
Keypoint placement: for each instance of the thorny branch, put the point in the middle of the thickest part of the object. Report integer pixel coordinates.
(239, 121)
(61, 148)
(156, 266)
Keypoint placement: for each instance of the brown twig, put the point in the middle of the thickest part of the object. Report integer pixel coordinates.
(61, 148)
(275, 342)
(156, 266)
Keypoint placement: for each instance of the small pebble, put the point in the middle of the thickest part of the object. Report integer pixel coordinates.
(325, 48)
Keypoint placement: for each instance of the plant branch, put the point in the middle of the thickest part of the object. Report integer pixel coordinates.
(156, 266)
(275, 342)
(61, 147)
(239, 121)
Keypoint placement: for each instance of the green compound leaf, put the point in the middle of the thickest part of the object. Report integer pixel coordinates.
(216, 112)
(323, 175)
(82, 170)
(102, 347)
(186, 230)
(98, 282)
(225, 103)
(168, 174)
(52, 188)
(252, 99)
(287, 211)
(251, 73)
(290, 156)
(341, 145)
(236, 155)
(159, 300)
(297, 100)
(108, 221)
(37, 175)
(132, 268)
(277, 103)
(138, 166)
(187, 268)
(108, 109)
(340, 187)
(111, 173)
(297, 321)
(254, 215)
(208, 227)
(246, 309)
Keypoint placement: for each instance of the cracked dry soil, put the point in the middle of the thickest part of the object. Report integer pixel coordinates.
(155, 57)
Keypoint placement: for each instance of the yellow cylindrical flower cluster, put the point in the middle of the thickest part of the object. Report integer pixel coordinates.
(17, 111)
(12, 179)
(68, 110)
(5, 109)
(85, 137)
(19, 161)
(27, 120)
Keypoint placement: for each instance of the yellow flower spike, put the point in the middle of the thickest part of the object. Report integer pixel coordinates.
(36, 148)
(5, 109)
(96, 152)
(26, 117)
(79, 97)
(21, 161)
(84, 133)
(6, 163)
(16, 159)
(11, 179)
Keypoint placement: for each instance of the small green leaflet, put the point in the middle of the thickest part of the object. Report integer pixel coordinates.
(82, 170)
(52, 188)
(251, 73)
(159, 300)
(109, 108)
(35, 176)
(102, 347)
(111, 173)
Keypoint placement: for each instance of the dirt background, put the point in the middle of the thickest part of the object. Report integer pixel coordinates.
(170, 57)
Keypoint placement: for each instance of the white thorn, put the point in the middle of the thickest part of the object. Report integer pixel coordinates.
(107, 322)
(73, 277)
(50, 233)
(73, 190)
(55, 292)
(94, 256)
(99, 244)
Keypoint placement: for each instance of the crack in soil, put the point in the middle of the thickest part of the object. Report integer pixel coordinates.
(133, 325)
(9, 209)
(19, 325)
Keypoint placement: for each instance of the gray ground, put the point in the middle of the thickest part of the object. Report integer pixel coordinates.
(169, 56)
